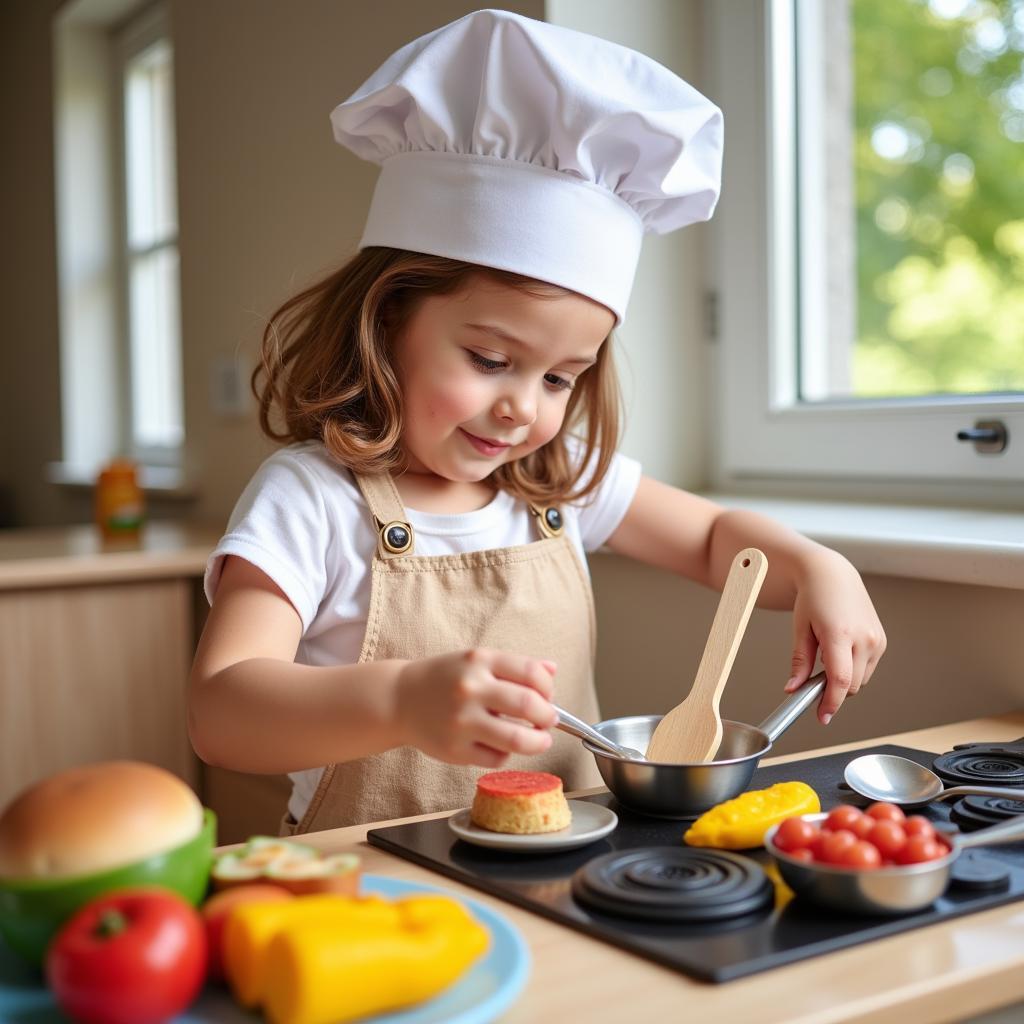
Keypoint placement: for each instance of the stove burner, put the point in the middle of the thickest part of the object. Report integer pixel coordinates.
(996, 764)
(669, 883)
(973, 812)
(975, 872)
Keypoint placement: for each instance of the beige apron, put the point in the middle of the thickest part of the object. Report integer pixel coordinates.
(533, 599)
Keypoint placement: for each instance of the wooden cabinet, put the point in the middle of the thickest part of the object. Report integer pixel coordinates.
(96, 643)
(94, 672)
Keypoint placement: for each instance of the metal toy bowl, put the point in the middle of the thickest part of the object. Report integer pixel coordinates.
(679, 791)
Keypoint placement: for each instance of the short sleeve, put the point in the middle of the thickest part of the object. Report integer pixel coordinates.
(280, 525)
(600, 513)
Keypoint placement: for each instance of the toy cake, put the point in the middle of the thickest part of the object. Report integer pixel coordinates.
(520, 803)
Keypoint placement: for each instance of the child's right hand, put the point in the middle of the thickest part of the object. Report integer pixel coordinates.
(451, 706)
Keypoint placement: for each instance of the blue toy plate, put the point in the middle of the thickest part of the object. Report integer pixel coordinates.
(485, 992)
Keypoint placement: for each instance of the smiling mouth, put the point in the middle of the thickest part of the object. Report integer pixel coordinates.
(485, 445)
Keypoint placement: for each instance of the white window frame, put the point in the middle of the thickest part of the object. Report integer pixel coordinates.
(761, 431)
(145, 30)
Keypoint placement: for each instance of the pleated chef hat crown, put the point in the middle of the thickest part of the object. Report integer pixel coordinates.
(519, 145)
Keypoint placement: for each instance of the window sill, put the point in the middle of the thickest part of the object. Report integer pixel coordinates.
(952, 545)
(156, 481)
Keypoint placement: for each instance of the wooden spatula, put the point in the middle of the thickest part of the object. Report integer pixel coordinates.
(691, 731)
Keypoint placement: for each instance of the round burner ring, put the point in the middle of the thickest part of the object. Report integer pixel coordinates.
(975, 872)
(670, 883)
(973, 812)
(982, 763)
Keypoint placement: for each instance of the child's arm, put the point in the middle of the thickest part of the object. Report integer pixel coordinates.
(832, 612)
(252, 709)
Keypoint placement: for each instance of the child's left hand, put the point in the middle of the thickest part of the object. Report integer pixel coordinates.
(834, 615)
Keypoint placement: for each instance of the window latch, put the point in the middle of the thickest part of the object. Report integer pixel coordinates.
(989, 437)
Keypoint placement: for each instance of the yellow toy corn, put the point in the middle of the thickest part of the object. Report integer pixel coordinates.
(339, 959)
(329, 975)
(249, 929)
(741, 823)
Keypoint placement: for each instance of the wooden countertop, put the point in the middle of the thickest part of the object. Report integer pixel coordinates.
(944, 972)
(74, 555)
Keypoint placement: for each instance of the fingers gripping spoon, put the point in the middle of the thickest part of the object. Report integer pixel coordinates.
(691, 732)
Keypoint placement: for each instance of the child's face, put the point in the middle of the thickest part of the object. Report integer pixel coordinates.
(486, 374)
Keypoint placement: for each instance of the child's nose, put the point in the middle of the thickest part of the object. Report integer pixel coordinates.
(518, 407)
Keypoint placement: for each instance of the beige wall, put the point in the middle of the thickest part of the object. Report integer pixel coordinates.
(29, 380)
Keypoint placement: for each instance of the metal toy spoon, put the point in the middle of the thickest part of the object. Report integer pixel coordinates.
(898, 780)
(577, 727)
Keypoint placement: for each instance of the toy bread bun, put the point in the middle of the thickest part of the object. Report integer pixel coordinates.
(96, 817)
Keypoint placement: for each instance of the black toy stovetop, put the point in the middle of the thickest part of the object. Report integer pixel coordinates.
(768, 927)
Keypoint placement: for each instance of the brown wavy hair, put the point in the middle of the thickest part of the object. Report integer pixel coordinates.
(326, 373)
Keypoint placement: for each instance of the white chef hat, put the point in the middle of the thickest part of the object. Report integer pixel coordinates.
(523, 146)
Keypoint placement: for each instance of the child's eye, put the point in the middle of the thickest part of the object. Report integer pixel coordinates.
(559, 383)
(485, 364)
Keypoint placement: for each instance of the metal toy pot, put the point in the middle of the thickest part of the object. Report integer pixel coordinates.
(901, 889)
(665, 790)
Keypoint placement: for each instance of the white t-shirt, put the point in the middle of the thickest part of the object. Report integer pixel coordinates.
(303, 521)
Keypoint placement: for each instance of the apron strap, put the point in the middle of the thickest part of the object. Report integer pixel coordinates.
(394, 532)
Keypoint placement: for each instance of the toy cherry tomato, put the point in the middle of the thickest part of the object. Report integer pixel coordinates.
(842, 816)
(919, 849)
(889, 837)
(131, 956)
(835, 847)
(853, 819)
(918, 825)
(818, 844)
(886, 812)
(862, 855)
(795, 834)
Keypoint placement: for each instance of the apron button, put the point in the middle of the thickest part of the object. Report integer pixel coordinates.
(397, 538)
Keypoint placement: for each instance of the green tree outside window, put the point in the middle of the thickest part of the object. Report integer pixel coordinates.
(939, 160)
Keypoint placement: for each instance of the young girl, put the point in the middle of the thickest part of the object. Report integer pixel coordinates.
(402, 591)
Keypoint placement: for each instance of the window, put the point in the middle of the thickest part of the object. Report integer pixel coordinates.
(870, 238)
(150, 243)
(117, 231)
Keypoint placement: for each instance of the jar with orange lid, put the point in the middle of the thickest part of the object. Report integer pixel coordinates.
(120, 503)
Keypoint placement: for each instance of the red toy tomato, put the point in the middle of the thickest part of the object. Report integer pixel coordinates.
(919, 825)
(818, 844)
(919, 849)
(886, 812)
(835, 847)
(889, 837)
(844, 816)
(853, 819)
(795, 834)
(131, 956)
(861, 855)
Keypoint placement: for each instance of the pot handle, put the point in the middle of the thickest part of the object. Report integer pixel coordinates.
(793, 707)
(1005, 832)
